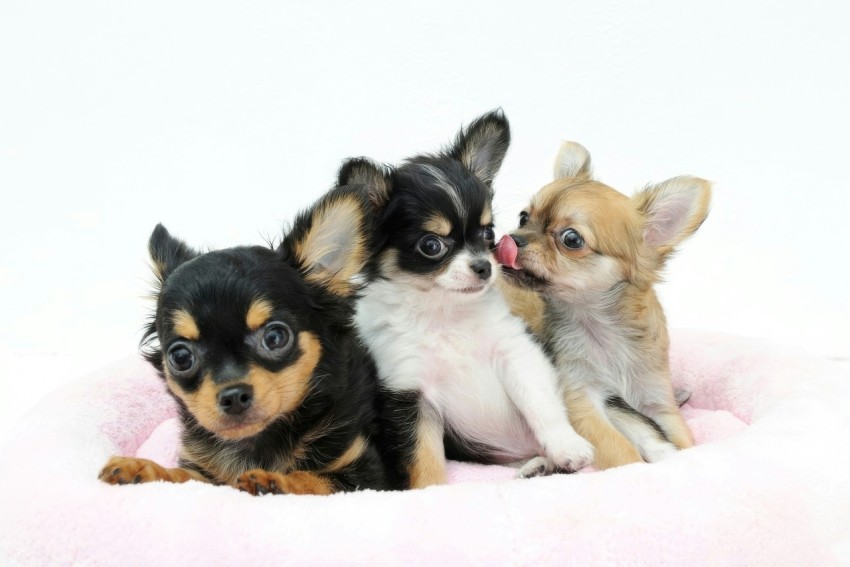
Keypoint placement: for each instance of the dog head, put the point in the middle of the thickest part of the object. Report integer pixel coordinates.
(241, 335)
(580, 236)
(434, 212)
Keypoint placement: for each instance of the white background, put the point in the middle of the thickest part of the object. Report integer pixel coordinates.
(222, 120)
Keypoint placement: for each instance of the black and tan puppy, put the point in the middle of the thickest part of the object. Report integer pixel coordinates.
(256, 346)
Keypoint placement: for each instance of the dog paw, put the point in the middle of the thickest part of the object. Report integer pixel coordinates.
(537, 466)
(657, 451)
(569, 452)
(259, 482)
(130, 470)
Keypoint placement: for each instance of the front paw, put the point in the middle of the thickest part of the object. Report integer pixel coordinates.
(130, 470)
(569, 451)
(259, 482)
(538, 466)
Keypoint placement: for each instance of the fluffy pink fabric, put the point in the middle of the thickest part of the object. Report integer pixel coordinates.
(767, 484)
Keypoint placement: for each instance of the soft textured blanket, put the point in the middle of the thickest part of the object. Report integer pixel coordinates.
(767, 484)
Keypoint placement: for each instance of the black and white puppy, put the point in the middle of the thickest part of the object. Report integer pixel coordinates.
(462, 374)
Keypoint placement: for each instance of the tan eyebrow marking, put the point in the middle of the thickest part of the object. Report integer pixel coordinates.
(438, 224)
(258, 313)
(185, 325)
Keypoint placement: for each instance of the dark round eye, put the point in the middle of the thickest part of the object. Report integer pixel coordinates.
(572, 239)
(488, 233)
(523, 218)
(432, 247)
(181, 360)
(276, 336)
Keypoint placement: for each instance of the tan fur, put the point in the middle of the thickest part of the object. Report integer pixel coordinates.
(354, 452)
(438, 224)
(185, 326)
(258, 313)
(627, 241)
(612, 448)
(487, 215)
(429, 461)
(130, 470)
(331, 223)
(259, 481)
(525, 304)
(275, 394)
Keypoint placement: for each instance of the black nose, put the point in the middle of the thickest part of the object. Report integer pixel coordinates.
(519, 240)
(481, 268)
(236, 399)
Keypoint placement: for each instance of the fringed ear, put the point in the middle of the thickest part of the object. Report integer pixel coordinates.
(167, 252)
(330, 242)
(673, 209)
(376, 177)
(482, 146)
(573, 160)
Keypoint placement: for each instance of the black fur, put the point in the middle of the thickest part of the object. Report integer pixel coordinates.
(217, 288)
(456, 185)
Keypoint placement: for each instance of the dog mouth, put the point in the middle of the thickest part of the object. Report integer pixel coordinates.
(523, 277)
(241, 428)
(471, 289)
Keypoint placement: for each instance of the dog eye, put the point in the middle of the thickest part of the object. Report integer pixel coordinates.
(432, 247)
(572, 239)
(276, 336)
(523, 218)
(181, 360)
(488, 233)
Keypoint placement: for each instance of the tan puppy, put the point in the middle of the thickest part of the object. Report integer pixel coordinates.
(593, 255)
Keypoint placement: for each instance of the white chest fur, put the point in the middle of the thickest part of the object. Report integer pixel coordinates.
(456, 351)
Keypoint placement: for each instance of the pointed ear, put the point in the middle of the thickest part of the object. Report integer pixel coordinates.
(376, 177)
(330, 242)
(573, 160)
(674, 210)
(167, 252)
(482, 146)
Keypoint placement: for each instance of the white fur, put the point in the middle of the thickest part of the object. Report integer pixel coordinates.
(573, 160)
(475, 364)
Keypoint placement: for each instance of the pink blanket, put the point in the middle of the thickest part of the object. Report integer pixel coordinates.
(768, 483)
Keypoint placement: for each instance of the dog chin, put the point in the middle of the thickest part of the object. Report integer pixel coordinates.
(524, 278)
(470, 291)
(242, 430)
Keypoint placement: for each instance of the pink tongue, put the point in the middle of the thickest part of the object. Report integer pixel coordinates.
(506, 252)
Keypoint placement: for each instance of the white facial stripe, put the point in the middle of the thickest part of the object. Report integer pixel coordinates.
(459, 275)
(442, 182)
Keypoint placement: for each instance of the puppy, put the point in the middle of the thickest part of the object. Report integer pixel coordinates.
(275, 392)
(594, 255)
(456, 365)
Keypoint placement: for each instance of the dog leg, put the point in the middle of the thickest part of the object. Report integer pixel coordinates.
(130, 470)
(259, 482)
(428, 466)
(531, 384)
(642, 431)
(674, 426)
(612, 447)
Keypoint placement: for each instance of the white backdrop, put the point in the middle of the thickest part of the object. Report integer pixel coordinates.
(222, 120)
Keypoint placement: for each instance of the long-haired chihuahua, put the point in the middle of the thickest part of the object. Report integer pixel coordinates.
(463, 376)
(594, 255)
(256, 345)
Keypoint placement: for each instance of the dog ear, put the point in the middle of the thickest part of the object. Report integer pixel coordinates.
(167, 252)
(376, 177)
(330, 242)
(673, 209)
(482, 146)
(573, 160)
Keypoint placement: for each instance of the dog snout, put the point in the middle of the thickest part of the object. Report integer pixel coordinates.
(482, 268)
(520, 241)
(236, 399)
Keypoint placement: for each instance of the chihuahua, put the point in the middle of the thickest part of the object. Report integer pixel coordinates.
(256, 345)
(462, 376)
(594, 255)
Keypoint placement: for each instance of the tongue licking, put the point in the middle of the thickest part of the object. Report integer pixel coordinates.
(506, 252)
